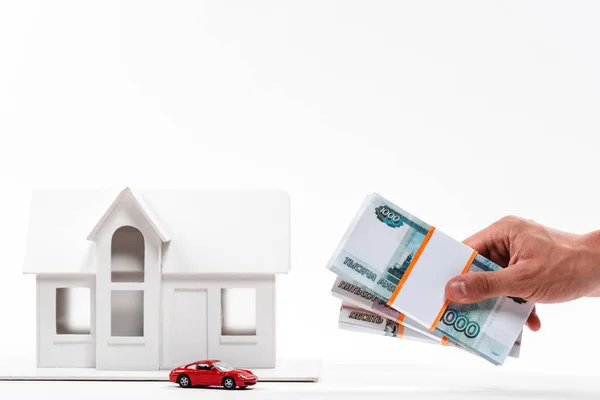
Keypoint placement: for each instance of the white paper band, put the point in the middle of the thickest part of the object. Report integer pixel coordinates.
(422, 295)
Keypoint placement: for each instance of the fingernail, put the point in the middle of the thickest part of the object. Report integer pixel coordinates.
(458, 290)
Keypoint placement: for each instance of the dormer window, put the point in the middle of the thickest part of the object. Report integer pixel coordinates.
(127, 255)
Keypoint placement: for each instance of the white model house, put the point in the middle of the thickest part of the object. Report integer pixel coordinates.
(161, 277)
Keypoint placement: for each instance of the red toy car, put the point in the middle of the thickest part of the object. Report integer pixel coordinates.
(212, 373)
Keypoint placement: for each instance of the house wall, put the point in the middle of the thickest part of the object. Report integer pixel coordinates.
(63, 350)
(194, 332)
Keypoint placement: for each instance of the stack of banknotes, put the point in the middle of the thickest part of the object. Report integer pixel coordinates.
(390, 269)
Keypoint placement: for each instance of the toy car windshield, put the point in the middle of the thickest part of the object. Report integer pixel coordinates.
(221, 366)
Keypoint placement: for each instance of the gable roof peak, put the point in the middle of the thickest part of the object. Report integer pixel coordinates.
(141, 204)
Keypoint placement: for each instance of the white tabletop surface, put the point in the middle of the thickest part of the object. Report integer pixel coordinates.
(339, 381)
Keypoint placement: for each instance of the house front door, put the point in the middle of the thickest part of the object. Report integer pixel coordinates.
(190, 327)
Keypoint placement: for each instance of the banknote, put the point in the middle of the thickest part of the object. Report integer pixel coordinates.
(354, 328)
(376, 251)
(516, 349)
(352, 295)
(361, 320)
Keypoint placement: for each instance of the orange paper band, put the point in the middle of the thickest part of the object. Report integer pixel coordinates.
(400, 331)
(443, 309)
(400, 326)
(400, 318)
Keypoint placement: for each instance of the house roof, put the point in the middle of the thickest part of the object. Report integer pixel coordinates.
(205, 231)
(143, 207)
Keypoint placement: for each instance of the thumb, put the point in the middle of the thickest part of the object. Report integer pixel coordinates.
(478, 286)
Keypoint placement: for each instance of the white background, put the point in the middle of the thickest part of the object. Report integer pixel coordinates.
(460, 112)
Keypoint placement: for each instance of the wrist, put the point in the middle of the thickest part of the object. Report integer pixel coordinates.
(589, 256)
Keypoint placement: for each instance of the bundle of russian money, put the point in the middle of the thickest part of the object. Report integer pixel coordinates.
(391, 269)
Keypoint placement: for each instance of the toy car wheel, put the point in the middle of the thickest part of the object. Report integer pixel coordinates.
(184, 381)
(228, 383)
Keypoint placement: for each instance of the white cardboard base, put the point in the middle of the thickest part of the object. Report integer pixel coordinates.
(285, 371)
(390, 379)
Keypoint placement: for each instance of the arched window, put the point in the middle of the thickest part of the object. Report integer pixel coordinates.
(127, 255)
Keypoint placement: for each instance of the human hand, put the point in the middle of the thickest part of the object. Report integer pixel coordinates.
(541, 264)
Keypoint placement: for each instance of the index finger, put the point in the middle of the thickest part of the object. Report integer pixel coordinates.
(492, 243)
